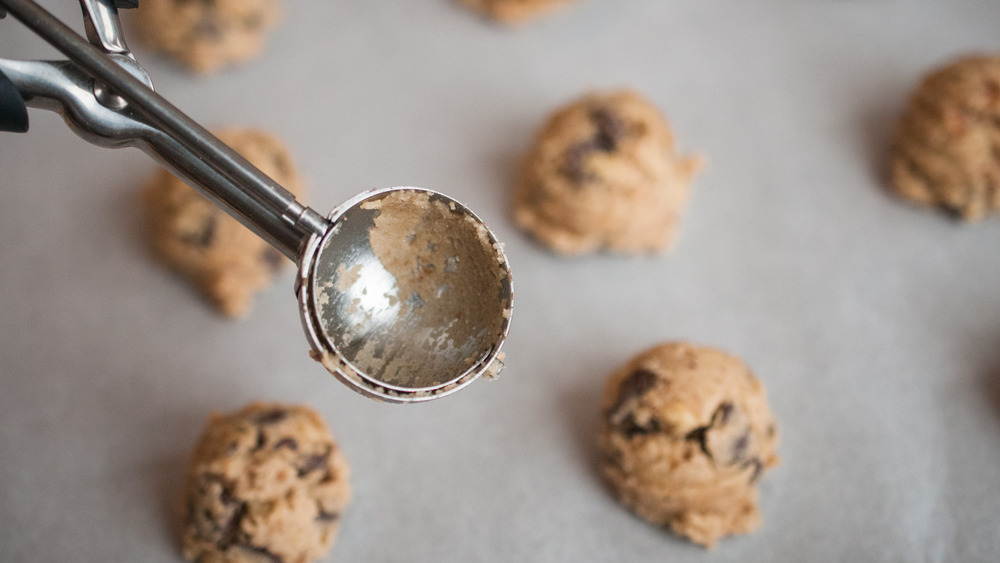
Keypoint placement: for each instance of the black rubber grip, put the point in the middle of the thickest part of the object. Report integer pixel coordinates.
(13, 112)
(126, 4)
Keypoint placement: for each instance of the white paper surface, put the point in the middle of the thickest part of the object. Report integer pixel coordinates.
(874, 325)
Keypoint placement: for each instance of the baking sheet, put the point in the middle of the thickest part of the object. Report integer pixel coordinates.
(875, 326)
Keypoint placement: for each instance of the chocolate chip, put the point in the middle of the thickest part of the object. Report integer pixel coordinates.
(325, 516)
(263, 551)
(632, 428)
(575, 162)
(758, 469)
(272, 258)
(610, 129)
(993, 90)
(289, 443)
(230, 532)
(638, 383)
(635, 385)
(226, 495)
(207, 28)
(738, 450)
(313, 462)
(282, 163)
(722, 414)
(272, 416)
(699, 435)
(261, 440)
(727, 439)
(205, 235)
(955, 210)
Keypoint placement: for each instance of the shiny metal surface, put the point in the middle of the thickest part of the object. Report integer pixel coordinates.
(373, 331)
(61, 87)
(104, 30)
(100, 20)
(271, 201)
(427, 343)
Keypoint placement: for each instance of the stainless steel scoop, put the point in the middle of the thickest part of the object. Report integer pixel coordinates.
(407, 296)
(404, 294)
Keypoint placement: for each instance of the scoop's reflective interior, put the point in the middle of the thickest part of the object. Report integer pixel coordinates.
(411, 290)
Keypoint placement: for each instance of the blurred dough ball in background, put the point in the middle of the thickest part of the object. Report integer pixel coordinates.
(226, 261)
(604, 174)
(946, 147)
(207, 35)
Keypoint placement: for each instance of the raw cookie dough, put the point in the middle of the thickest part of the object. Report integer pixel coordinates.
(513, 11)
(224, 259)
(266, 483)
(685, 434)
(604, 174)
(206, 35)
(946, 147)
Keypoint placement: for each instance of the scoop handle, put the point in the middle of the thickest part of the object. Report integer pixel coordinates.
(272, 204)
(13, 111)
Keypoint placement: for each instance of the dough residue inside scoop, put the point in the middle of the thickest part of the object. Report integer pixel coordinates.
(440, 283)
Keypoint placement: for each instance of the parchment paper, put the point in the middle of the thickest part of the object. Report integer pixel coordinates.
(874, 325)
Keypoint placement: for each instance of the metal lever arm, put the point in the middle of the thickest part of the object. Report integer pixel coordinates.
(272, 206)
(104, 29)
(13, 111)
(60, 86)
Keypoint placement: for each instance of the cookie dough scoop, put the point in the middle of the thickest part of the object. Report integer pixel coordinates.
(405, 294)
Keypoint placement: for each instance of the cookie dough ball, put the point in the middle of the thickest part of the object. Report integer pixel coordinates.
(207, 35)
(221, 257)
(513, 11)
(266, 483)
(604, 174)
(685, 435)
(946, 147)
